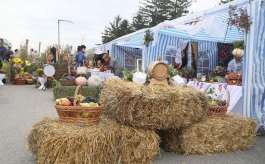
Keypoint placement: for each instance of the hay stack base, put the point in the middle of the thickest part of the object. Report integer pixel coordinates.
(153, 107)
(54, 142)
(228, 134)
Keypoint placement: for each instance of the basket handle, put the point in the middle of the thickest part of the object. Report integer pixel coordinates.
(64, 75)
(228, 94)
(76, 91)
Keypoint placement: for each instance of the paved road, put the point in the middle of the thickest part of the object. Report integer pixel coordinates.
(22, 106)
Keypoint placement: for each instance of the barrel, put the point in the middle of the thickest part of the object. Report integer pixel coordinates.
(158, 70)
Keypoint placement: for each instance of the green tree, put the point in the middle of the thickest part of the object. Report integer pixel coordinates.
(178, 8)
(152, 11)
(225, 1)
(117, 29)
(139, 22)
(157, 11)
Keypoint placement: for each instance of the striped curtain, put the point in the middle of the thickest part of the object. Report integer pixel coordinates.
(151, 53)
(254, 67)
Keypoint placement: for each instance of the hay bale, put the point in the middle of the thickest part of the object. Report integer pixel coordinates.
(153, 107)
(230, 134)
(64, 91)
(107, 142)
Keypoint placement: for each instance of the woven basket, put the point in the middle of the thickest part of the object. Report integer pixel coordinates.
(65, 82)
(72, 114)
(216, 111)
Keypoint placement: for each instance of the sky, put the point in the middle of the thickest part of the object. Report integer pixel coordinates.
(37, 20)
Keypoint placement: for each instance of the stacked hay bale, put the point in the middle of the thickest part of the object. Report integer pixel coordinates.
(181, 114)
(220, 135)
(153, 107)
(107, 142)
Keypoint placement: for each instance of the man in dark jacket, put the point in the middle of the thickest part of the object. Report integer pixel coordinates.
(80, 57)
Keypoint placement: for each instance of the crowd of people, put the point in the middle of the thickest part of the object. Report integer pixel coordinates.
(103, 64)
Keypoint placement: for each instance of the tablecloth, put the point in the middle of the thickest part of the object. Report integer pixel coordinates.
(235, 104)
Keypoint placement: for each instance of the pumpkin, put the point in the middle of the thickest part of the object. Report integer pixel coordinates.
(238, 52)
(94, 81)
(80, 81)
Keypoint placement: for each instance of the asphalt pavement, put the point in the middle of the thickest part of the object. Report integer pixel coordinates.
(22, 106)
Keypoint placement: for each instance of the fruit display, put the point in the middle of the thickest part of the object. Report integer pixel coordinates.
(81, 101)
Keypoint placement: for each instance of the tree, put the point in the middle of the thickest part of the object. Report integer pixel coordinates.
(157, 11)
(225, 1)
(139, 22)
(154, 11)
(178, 8)
(117, 29)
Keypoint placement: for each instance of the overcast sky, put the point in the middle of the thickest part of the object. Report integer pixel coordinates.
(37, 20)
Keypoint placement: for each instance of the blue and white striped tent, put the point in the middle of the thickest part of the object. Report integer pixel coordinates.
(211, 28)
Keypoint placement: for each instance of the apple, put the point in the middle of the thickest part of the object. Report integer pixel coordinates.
(86, 114)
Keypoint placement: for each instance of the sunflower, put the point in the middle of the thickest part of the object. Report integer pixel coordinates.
(39, 69)
(20, 61)
(16, 60)
(27, 63)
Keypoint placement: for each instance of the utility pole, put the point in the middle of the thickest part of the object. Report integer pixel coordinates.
(58, 49)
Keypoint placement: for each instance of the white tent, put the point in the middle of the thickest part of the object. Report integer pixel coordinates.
(208, 28)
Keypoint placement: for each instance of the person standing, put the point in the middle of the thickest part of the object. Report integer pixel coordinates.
(32, 56)
(9, 53)
(236, 64)
(113, 63)
(3, 52)
(16, 55)
(80, 57)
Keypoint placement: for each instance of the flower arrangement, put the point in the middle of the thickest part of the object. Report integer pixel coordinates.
(187, 72)
(20, 65)
(219, 71)
(40, 72)
(147, 38)
(4, 68)
(238, 17)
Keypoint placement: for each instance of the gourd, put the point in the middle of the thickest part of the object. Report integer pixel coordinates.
(94, 81)
(238, 52)
(80, 81)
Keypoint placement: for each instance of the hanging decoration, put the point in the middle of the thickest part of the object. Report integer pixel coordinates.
(147, 38)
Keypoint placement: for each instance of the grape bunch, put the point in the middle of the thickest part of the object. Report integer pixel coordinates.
(223, 103)
(71, 99)
(89, 99)
(69, 78)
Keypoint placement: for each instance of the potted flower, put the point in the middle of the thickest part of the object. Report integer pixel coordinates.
(3, 70)
(219, 72)
(20, 66)
(188, 72)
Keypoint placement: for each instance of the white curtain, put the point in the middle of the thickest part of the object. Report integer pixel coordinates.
(181, 47)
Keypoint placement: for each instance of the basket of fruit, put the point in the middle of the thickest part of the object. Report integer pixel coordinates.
(79, 109)
(68, 80)
(217, 106)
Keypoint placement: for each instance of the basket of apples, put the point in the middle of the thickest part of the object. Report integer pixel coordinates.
(217, 107)
(79, 109)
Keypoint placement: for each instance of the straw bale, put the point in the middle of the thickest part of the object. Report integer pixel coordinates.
(220, 135)
(54, 142)
(153, 107)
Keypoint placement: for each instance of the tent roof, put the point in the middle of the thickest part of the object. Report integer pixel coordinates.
(209, 25)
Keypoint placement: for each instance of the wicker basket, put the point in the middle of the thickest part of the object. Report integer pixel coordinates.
(65, 82)
(216, 111)
(72, 114)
